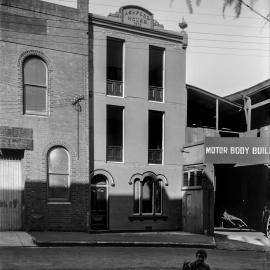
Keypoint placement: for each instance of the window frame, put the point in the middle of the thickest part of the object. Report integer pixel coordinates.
(108, 147)
(155, 88)
(115, 84)
(58, 199)
(194, 171)
(40, 86)
(162, 148)
(155, 184)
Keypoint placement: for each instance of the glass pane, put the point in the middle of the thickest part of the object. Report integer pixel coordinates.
(156, 66)
(98, 198)
(185, 184)
(199, 178)
(158, 195)
(99, 180)
(35, 72)
(58, 186)
(58, 161)
(114, 59)
(192, 178)
(147, 197)
(34, 99)
(136, 202)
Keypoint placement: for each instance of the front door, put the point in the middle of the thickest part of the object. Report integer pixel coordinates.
(99, 203)
(193, 211)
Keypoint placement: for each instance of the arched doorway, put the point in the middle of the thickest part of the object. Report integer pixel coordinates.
(99, 203)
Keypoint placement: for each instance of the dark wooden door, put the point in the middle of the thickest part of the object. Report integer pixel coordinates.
(99, 207)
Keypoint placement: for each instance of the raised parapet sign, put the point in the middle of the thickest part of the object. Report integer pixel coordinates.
(135, 15)
(241, 151)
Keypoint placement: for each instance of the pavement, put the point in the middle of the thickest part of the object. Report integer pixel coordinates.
(128, 239)
(223, 240)
(140, 239)
(16, 239)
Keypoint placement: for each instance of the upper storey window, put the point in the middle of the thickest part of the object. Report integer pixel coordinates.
(35, 85)
(156, 59)
(115, 67)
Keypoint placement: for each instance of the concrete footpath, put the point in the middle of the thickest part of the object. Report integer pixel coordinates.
(140, 239)
(223, 240)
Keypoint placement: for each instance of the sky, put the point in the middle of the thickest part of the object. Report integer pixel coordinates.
(224, 54)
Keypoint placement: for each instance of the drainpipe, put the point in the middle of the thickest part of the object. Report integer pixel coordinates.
(217, 115)
(247, 109)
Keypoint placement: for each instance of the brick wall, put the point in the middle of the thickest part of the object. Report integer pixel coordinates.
(59, 36)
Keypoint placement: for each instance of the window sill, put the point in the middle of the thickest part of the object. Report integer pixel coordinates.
(36, 114)
(156, 101)
(117, 162)
(58, 202)
(192, 188)
(155, 164)
(147, 217)
(114, 96)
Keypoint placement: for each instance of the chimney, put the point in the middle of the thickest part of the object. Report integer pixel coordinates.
(83, 6)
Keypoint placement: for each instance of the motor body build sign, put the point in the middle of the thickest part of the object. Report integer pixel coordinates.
(237, 150)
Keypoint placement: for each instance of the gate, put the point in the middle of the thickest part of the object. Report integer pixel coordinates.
(11, 188)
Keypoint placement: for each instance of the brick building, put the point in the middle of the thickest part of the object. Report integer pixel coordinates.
(44, 116)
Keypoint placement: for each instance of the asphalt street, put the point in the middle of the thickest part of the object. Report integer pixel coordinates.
(126, 258)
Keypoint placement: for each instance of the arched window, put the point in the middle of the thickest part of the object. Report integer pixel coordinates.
(58, 173)
(35, 84)
(147, 196)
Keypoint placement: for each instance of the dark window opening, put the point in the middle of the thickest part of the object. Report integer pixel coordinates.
(231, 119)
(260, 117)
(155, 137)
(114, 67)
(114, 133)
(156, 73)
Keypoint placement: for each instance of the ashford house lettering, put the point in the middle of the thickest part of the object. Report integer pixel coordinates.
(137, 17)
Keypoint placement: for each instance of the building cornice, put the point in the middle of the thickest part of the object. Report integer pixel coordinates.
(152, 33)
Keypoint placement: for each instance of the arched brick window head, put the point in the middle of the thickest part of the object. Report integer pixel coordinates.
(35, 85)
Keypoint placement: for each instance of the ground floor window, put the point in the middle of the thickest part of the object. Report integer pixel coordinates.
(147, 196)
(58, 171)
